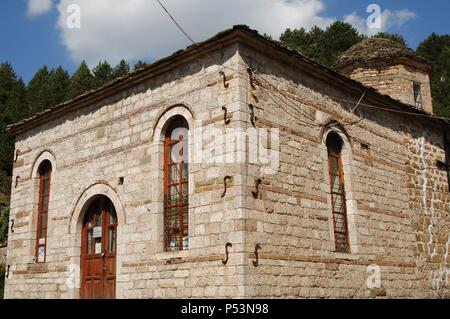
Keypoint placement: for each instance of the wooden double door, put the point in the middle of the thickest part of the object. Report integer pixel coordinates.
(98, 252)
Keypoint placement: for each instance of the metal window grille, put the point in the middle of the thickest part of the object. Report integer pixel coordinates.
(176, 181)
(338, 201)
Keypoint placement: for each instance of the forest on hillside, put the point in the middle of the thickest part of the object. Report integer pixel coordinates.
(51, 87)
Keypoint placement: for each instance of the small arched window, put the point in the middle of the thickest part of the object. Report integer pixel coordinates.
(338, 202)
(45, 172)
(176, 182)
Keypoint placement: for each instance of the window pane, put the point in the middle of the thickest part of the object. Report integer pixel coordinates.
(111, 240)
(185, 194)
(337, 202)
(98, 245)
(41, 254)
(176, 191)
(173, 195)
(175, 153)
(89, 217)
(46, 186)
(98, 219)
(185, 171)
(338, 195)
(43, 220)
(185, 242)
(334, 165)
(174, 174)
(336, 184)
(341, 243)
(44, 203)
(112, 216)
(89, 243)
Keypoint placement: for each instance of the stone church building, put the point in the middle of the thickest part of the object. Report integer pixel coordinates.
(342, 192)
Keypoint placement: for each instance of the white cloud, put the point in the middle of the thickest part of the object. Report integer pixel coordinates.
(133, 29)
(389, 20)
(38, 7)
(140, 29)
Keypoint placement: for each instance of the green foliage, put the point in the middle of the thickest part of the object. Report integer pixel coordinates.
(324, 46)
(47, 89)
(82, 80)
(436, 50)
(391, 36)
(103, 73)
(139, 65)
(39, 95)
(4, 222)
(121, 69)
(13, 107)
(59, 83)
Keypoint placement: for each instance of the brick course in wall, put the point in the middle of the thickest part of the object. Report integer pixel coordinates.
(398, 201)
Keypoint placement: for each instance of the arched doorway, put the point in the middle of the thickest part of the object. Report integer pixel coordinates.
(98, 250)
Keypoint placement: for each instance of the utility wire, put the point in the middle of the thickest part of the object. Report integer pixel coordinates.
(176, 23)
(205, 54)
(269, 94)
(293, 103)
(342, 122)
(374, 106)
(288, 98)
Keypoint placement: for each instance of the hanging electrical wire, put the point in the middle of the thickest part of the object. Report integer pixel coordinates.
(342, 122)
(205, 54)
(293, 103)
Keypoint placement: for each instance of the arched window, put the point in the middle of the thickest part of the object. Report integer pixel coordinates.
(338, 202)
(176, 201)
(45, 172)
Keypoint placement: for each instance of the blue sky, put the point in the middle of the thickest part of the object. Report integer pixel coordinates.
(111, 30)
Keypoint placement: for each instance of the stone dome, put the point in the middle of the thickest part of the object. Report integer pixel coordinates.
(375, 49)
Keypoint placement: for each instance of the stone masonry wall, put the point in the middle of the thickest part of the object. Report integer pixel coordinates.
(397, 199)
(120, 137)
(395, 81)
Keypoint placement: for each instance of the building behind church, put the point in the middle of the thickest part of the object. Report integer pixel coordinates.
(237, 168)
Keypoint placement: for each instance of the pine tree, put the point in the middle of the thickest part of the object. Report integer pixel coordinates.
(436, 50)
(39, 95)
(432, 47)
(59, 82)
(121, 69)
(103, 73)
(139, 65)
(81, 81)
(13, 102)
(324, 46)
(13, 107)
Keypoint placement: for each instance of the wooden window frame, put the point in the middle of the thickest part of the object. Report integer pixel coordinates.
(43, 177)
(182, 209)
(339, 174)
